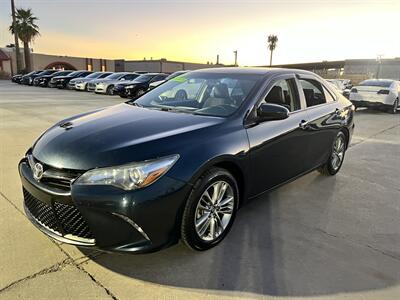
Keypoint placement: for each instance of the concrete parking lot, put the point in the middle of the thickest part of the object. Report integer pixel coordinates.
(317, 237)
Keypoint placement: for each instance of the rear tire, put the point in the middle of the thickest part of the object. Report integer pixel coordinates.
(207, 219)
(393, 109)
(336, 157)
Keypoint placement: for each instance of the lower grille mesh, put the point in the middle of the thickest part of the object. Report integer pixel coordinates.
(72, 221)
(41, 211)
(60, 218)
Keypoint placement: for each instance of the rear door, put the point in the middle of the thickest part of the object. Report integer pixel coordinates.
(324, 117)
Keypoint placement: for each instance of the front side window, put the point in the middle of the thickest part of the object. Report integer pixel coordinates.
(202, 93)
(313, 92)
(284, 93)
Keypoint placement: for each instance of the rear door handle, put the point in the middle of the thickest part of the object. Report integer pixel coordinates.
(304, 124)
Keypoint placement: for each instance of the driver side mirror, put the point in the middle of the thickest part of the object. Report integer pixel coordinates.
(271, 112)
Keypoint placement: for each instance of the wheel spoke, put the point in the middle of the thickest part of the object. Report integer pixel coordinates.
(204, 227)
(225, 201)
(212, 227)
(202, 219)
(206, 196)
(221, 192)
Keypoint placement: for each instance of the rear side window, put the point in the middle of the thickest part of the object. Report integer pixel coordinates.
(313, 92)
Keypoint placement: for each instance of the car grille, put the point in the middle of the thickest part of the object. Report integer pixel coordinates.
(55, 178)
(61, 219)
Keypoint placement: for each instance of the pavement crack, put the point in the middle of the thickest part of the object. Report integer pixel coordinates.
(97, 282)
(396, 257)
(52, 269)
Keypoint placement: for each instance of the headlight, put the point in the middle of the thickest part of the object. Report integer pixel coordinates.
(131, 176)
(130, 86)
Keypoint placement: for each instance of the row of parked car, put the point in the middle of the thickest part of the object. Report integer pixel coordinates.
(124, 84)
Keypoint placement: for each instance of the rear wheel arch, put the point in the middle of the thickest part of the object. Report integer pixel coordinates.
(346, 133)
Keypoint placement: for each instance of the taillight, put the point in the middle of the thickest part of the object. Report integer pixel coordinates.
(354, 90)
(383, 92)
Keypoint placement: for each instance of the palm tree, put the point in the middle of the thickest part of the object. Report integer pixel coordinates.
(272, 41)
(26, 30)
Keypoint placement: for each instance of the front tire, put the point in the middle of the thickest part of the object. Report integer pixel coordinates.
(210, 210)
(336, 157)
(110, 90)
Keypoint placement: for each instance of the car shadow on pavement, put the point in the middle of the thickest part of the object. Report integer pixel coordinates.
(277, 246)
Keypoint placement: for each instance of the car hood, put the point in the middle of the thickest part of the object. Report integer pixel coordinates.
(80, 79)
(116, 135)
(101, 80)
(109, 81)
(127, 82)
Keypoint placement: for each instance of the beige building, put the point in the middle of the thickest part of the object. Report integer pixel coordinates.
(40, 61)
(161, 65)
(8, 65)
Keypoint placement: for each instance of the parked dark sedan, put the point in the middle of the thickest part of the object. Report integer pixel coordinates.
(139, 176)
(18, 77)
(44, 80)
(28, 78)
(61, 82)
(140, 85)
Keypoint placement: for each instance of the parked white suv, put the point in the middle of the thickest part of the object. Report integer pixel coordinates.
(377, 93)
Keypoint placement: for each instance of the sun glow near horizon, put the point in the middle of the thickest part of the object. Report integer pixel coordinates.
(198, 31)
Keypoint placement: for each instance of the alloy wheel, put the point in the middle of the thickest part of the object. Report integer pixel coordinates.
(338, 152)
(214, 211)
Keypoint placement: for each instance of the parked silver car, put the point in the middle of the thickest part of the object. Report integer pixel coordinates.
(80, 84)
(106, 85)
(377, 93)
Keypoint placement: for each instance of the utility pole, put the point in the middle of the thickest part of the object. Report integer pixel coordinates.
(17, 53)
(379, 61)
(235, 53)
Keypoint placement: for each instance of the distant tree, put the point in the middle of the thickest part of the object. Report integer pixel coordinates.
(272, 41)
(27, 31)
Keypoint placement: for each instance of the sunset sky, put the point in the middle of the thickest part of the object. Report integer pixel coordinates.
(197, 31)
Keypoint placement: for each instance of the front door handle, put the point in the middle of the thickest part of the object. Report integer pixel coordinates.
(304, 124)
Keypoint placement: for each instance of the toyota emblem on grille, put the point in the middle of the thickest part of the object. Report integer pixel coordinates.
(38, 171)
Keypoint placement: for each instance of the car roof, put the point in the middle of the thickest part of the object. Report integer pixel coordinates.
(254, 71)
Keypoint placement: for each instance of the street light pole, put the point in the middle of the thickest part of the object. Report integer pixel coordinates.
(17, 53)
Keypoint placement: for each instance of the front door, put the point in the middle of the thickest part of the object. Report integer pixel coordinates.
(278, 148)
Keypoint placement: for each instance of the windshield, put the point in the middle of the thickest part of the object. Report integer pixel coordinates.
(380, 83)
(47, 72)
(115, 76)
(74, 73)
(143, 78)
(94, 75)
(61, 73)
(202, 93)
(173, 75)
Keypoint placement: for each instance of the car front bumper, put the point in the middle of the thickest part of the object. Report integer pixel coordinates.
(104, 217)
(80, 86)
(101, 89)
